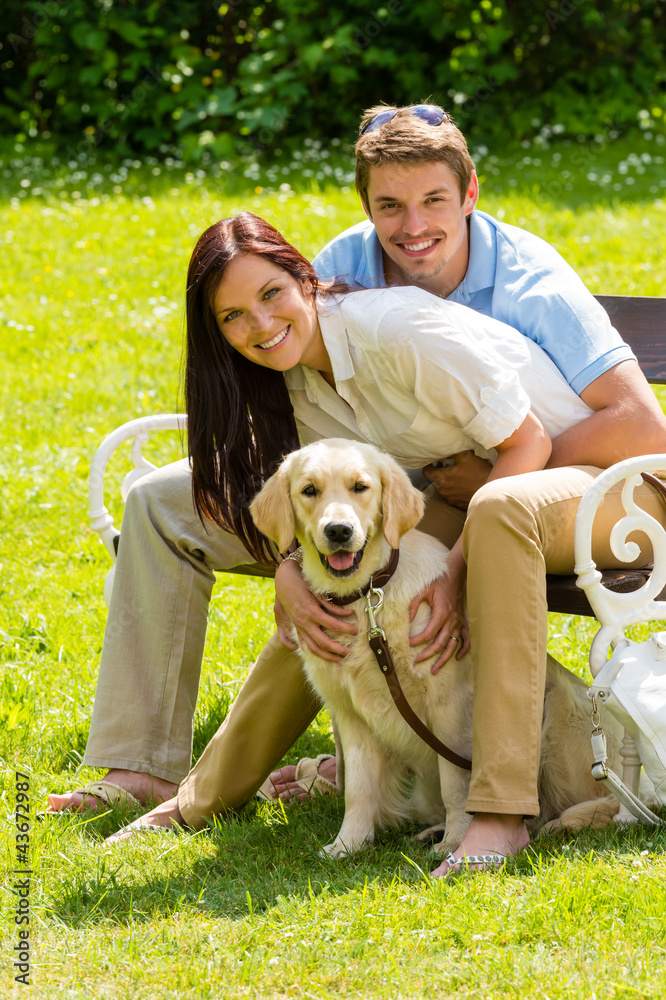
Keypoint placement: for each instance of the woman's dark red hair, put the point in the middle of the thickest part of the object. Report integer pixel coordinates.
(240, 419)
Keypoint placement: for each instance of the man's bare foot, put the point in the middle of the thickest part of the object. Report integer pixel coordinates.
(144, 787)
(282, 784)
(165, 816)
(488, 833)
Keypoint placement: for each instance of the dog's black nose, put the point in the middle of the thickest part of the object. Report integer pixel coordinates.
(338, 532)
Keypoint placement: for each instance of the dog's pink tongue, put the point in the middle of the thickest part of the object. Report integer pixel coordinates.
(341, 560)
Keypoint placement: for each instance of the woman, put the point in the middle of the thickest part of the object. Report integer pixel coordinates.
(273, 356)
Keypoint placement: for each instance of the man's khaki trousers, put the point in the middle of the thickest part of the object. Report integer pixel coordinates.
(516, 530)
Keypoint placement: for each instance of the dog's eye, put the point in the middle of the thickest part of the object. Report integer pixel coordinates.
(360, 488)
(309, 491)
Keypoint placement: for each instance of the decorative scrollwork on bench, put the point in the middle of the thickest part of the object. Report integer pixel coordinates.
(139, 429)
(616, 610)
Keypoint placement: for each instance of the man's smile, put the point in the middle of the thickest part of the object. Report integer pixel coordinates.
(420, 248)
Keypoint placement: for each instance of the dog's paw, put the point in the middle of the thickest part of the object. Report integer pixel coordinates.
(336, 850)
(447, 845)
(429, 834)
(343, 848)
(623, 816)
(452, 838)
(596, 814)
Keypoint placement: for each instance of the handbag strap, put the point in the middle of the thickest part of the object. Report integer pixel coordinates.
(602, 772)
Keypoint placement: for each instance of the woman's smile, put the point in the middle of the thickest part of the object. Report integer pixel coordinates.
(269, 316)
(275, 341)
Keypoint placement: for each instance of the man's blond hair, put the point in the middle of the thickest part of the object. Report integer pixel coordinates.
(407, 139)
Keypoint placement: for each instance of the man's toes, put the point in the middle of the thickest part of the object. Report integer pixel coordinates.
(275, 787)
(284, 775)
(290, 792)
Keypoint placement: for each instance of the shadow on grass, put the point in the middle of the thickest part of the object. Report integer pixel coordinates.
(240, 863)
(247, 863)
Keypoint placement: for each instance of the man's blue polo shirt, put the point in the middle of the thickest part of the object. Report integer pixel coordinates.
(514, 277)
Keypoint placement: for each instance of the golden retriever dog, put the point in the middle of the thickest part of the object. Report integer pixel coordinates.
(349, 505)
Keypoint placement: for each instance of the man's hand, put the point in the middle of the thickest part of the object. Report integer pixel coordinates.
(458, 483)
(447, 630)
(310, 615)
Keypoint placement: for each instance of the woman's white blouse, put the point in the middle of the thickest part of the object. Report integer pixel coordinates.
(424, 378)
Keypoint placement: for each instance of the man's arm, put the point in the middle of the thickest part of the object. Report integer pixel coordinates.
(627, 421)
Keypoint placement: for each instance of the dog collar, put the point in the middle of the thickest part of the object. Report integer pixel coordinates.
(376, 580)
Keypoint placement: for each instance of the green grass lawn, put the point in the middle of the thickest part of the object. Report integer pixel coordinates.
(91, 310)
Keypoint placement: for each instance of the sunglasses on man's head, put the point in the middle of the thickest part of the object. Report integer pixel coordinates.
(429, 113)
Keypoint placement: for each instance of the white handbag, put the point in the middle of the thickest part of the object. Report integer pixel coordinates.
(632, 687)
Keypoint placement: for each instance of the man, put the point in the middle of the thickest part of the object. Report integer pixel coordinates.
(419, 189)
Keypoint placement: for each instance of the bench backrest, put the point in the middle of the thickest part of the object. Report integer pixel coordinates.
(641, 321)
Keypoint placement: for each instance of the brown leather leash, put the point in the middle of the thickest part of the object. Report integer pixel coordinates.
(380, 648)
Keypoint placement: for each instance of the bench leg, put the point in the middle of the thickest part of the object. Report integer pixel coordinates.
(631, 763)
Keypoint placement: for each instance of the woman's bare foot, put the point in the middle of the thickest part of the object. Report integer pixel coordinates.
(282, 784)
(488, 833)
(144, 787)
(166, 815)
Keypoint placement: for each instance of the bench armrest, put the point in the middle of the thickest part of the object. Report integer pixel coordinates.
(616, 611)
(139, 429)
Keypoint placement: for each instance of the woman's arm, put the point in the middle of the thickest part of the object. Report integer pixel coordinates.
(627, 421)
(526, 450)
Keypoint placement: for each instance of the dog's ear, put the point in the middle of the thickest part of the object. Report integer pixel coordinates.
(272, 512)
(402, 503)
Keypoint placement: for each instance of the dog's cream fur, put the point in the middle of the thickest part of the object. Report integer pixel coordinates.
(356, 485)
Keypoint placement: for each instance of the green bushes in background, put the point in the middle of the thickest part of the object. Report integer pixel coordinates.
(251, 75)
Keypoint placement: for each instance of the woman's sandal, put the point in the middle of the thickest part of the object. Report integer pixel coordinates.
(307, 777)
(107, 794)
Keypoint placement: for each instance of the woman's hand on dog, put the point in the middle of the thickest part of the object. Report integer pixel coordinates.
(447, 631)
(296, 607)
